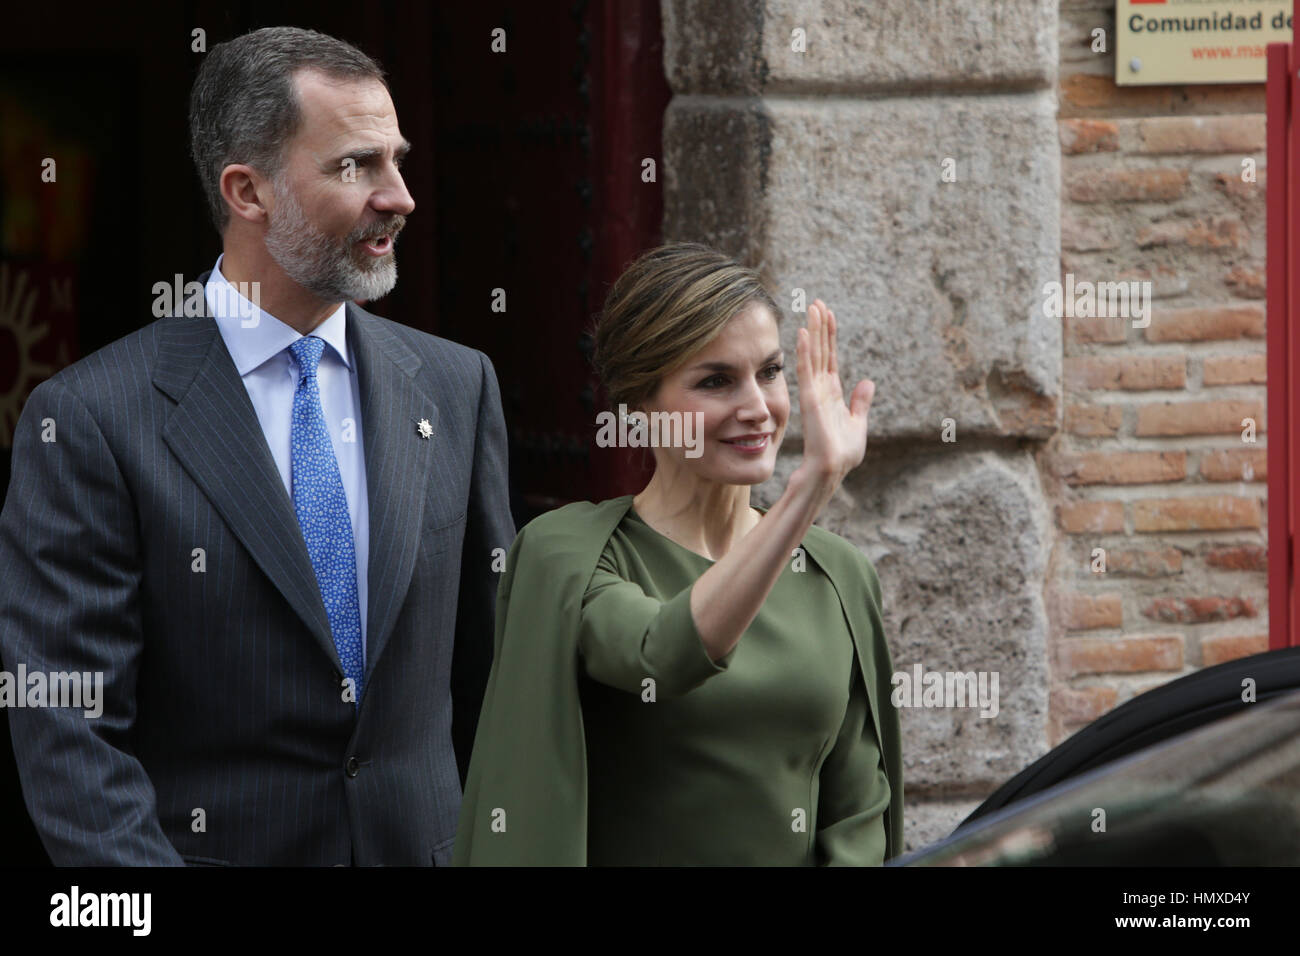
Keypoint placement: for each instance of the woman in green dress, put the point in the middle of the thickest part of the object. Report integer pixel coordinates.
(680, 678)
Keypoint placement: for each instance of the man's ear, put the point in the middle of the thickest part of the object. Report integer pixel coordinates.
(246, 191)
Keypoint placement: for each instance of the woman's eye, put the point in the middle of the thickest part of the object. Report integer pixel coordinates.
(717, 381)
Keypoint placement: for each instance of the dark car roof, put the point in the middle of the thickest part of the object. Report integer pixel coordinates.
(1224, 793)
(1172, 709)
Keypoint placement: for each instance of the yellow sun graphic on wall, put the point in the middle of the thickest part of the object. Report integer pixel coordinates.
(17, 305)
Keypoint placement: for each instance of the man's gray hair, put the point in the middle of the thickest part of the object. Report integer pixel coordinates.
(243, 108)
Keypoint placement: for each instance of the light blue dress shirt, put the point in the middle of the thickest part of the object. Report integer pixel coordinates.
(259, 344)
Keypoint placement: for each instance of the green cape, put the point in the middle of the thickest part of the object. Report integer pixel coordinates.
(529, 764)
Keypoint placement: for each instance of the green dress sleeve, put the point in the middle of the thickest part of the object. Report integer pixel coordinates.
(853, 792)
(626, 636)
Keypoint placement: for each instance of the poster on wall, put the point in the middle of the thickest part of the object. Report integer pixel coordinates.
(1197, 41)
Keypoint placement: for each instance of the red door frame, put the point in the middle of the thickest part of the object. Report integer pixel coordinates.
(1283, 200)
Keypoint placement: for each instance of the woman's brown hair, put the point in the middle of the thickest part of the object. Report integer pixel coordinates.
(665, 307)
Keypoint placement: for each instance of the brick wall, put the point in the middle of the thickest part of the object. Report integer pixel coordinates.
(1151, 476)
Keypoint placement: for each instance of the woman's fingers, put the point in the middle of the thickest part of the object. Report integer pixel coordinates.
(832, 364)
(821, 339)
(815, 336)
(803, 363)
(860, 402)
(826, 339)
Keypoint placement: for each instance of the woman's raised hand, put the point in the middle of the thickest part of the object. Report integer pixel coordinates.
(726, 598)
(834, 434)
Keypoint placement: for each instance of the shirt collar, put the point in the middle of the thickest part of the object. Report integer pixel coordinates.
(256, 342)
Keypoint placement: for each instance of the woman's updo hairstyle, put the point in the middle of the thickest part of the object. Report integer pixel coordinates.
(665, 307)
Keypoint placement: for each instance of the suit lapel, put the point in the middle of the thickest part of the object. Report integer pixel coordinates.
(400, 467)
(215, 434)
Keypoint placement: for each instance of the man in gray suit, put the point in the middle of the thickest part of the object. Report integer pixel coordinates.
(269, 525)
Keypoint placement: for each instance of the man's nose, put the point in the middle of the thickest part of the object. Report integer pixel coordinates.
(394, 197)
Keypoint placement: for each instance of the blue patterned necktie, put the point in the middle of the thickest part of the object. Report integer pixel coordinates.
(322, 508)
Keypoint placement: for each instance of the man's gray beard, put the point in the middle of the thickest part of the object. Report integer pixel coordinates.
(320, 263)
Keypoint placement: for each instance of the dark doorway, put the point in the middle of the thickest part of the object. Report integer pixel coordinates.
(526, 171)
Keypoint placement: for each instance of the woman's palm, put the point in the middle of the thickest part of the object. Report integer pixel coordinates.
(834, 434)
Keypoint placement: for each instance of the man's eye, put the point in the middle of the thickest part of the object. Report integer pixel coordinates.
(774, 370)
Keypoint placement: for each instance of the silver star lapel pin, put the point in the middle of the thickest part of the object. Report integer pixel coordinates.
(424, 428)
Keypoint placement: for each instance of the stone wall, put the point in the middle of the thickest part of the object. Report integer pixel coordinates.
(905, 168)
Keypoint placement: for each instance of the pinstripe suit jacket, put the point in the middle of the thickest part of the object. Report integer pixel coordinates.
(224, 736)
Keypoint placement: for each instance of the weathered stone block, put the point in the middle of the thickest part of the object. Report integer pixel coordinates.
(747, 46)
(846, 200)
